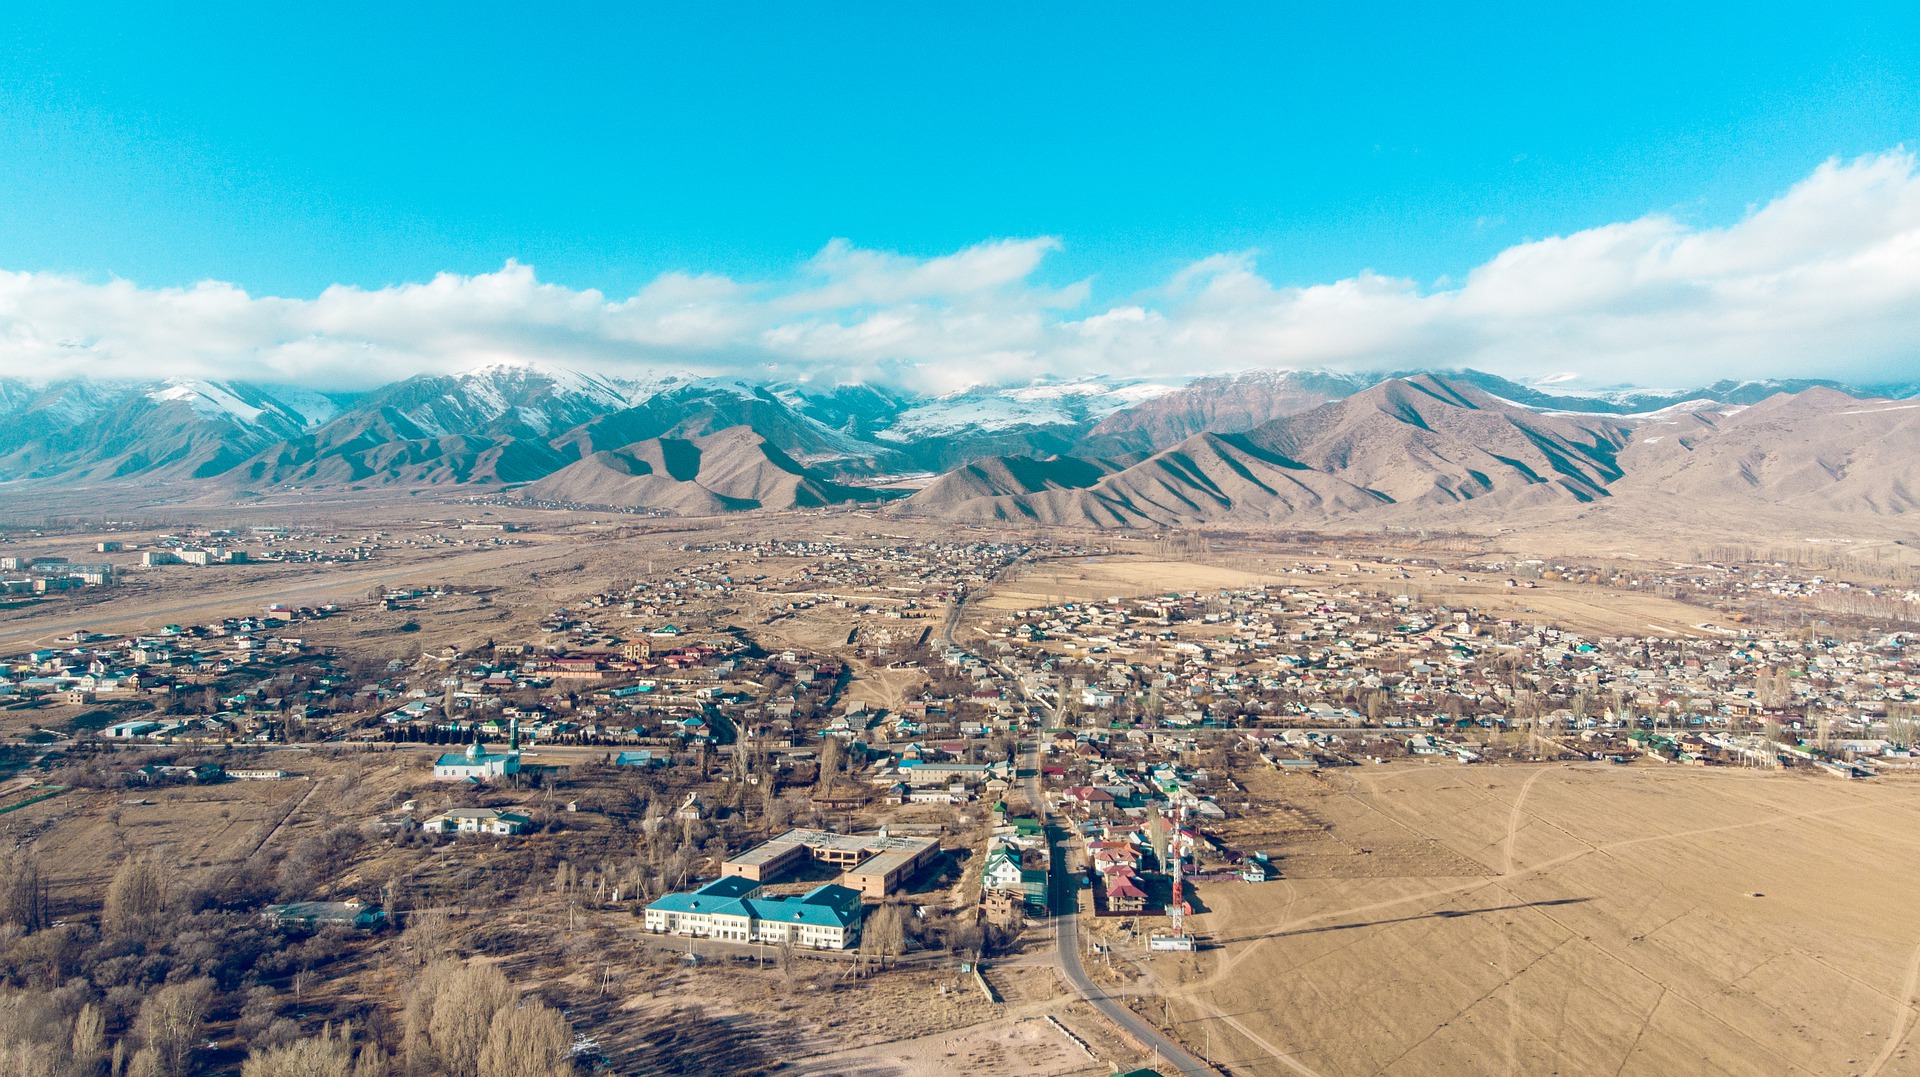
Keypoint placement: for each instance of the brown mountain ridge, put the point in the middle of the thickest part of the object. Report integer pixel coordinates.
(1423, 449)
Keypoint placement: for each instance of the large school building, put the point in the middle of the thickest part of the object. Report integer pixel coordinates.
(733, 909)
(874, 865)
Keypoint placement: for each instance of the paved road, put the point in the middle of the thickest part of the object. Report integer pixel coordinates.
(1064, 900)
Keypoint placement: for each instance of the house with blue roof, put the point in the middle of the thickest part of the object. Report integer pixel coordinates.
(476, 764)
(734, 908)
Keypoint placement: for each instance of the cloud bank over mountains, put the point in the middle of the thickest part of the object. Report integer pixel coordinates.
(1822, 281)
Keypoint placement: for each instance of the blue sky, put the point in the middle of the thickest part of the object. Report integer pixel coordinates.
(285, 150)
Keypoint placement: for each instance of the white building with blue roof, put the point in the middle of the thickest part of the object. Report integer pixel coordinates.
(475, 765)
(735, 909)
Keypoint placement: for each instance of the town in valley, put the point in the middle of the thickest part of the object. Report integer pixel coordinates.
(834, 792)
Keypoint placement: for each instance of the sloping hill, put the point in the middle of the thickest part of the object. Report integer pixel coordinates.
(997, 476)
(1818, 450)
(452, 458)
(1428, 440)
(1412, 443)
(727, 471)
(1221, 404)
(1206, 477)
(708, 406)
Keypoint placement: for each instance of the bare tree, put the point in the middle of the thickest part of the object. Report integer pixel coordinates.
(789, 962)
(170, 1021)
(372, 1063)
(429, 936)
(33, 1035)
(529, 1040)
(416, 1042)
(146, 1063)
(23, 893)
(884, 935)
(832, 755)
(329, 1054)
(137, 897)
(775, 810)
(463, 1016)
(89, 1039)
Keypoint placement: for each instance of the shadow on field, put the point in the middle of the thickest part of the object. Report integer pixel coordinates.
(1443, 914)
(688, 1042)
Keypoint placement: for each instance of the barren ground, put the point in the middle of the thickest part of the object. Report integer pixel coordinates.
(1584, 919)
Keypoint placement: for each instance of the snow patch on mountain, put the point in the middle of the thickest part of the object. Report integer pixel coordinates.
(209, 400)
(308, 408)
(1065, 403)
(248, 405)
(505, 378)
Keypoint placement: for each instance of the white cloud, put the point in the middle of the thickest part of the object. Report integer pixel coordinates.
(1822, 281)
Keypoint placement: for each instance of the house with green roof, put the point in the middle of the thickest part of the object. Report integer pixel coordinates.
(315, 915)
(734, 908)
(476, 764)
(1005, 871)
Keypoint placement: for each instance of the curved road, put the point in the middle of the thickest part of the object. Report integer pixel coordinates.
(1063, 899)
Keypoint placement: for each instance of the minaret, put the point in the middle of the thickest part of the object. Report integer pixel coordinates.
(513, 733)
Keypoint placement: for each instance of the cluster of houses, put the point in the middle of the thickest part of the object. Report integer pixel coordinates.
(1746, 580)
(1352, 658)
(176, 660)
(1128, 774)
(896, 572)
(41, 575)
(659, 689)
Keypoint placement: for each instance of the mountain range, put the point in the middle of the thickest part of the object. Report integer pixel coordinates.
(1259, 446)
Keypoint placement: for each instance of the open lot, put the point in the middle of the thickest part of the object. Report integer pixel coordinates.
(1586, 919)
(1586, 609)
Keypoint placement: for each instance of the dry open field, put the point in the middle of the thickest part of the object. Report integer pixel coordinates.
(83, 834)
(1586, 609)
(1094, 578)
(1570, 919)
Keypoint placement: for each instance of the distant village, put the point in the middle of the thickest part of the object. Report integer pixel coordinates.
(47, 574)
(1331, 669)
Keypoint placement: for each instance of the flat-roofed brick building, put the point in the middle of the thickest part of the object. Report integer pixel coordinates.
(873, 864)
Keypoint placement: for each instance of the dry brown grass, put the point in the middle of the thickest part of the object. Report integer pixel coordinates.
(1586, 919)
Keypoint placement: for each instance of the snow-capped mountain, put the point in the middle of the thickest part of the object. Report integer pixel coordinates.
(1221, 404)
(95, 430)
(515, 399)
(279, 407)
(1553, 395)
(1046, 403)
(509, 423)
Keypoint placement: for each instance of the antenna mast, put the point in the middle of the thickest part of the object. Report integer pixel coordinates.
(1177, 905)
(1168, 849)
